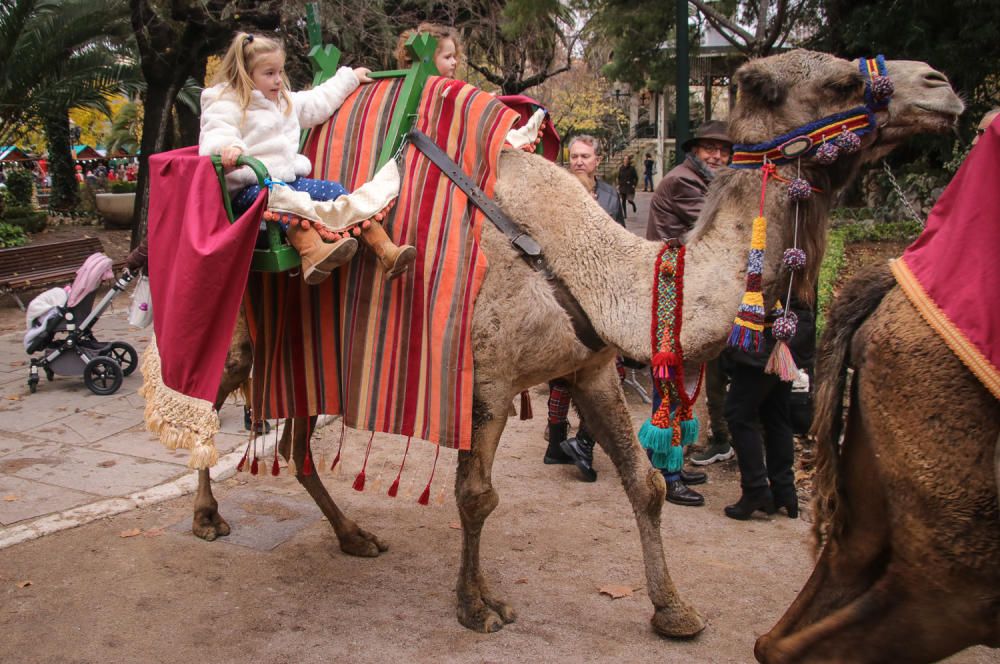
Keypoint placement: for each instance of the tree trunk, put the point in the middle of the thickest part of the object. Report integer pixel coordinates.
(157, 136)
(65, 194)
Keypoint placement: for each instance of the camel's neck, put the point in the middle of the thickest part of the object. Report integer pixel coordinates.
(716, 264)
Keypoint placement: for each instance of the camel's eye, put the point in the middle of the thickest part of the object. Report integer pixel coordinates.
(846, 87)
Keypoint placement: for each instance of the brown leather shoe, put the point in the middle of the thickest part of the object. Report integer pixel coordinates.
(319, 258)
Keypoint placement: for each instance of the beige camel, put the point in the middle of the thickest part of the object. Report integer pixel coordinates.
(522, 336)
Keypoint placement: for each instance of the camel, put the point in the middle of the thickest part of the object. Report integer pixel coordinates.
(522, 336)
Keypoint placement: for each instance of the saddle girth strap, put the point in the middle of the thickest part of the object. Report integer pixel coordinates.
(526, 245)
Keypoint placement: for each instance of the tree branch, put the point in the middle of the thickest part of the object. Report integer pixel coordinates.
(719, 22)
(775, 26)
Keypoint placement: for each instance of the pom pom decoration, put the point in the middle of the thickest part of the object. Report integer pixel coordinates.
(827, 153)
(848, 141)
(882, 87)
(799, 190)
(794, 259)
(784, 327)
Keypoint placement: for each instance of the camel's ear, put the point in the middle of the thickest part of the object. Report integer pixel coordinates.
(759, 85)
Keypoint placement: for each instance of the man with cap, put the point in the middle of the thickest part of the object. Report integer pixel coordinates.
(673, 211)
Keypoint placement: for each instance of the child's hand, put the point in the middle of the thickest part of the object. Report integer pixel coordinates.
(230, 155)
(362, 74)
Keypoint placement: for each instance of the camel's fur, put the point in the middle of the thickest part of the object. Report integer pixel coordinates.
(907, 502)
(522, 337)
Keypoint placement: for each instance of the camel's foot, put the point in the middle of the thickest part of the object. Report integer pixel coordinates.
(678, 622)
(482, 613)
(208, 524)
(362, 543)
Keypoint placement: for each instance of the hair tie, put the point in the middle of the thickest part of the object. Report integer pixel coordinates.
(248, 40)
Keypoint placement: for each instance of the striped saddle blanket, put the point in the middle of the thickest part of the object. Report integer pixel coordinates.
(393, 357)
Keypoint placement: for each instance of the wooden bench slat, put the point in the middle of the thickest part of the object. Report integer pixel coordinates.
(42, 264)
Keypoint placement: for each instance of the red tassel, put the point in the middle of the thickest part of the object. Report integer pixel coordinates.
(425, 497)
(254, 467)
(307, 465)
(242, 464)
(665, 359)
(359, 481)
(336, 460)
(394, 487)
(275, 469)
(526, 413)
(340, 446)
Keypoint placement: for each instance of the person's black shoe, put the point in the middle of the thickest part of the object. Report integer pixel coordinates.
(581, 450)
(693, 477)
(749, 503)
(554, 453)
(260, 428)
(787, 499)
(678, 493)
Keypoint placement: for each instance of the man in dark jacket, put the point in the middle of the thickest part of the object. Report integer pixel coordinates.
(584, 158)
(627, 179)
(761, 401)
(673, 211)
(680, 195)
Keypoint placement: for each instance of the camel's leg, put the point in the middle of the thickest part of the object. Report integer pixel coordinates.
(478, 609)
(207, 523)
(353, 539)
(599, 396)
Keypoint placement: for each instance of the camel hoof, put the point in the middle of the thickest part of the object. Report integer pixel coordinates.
(362, 544)
(678, 622)
(485, 615)
(208, 524)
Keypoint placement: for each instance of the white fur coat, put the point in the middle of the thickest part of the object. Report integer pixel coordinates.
(265, 131)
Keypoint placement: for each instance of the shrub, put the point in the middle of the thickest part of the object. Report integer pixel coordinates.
(118, 187)
(21, 185)
(11, 236)
(26, 217)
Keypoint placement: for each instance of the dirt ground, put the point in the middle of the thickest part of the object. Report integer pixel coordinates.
(140, 588)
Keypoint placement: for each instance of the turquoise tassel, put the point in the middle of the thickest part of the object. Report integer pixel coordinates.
(689, 431)
(652, 437)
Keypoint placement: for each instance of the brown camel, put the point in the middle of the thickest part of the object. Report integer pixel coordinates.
(522, 336)
(907, 504)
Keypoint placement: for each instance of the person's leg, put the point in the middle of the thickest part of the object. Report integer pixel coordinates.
(623, 202)
(779, 443)
(749, 387)
(241, 202)
(719, 447)
(678, 492)
(558, 422)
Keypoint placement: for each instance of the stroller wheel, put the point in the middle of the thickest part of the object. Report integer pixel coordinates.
(124, 354)
(33, 383)
(102, 376)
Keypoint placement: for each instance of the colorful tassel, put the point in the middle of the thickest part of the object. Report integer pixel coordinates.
(781, 363)
(394, 487)
(359, 481)
(255, 466)
(242, 464)
(307, 465)
(749, 322)
(275, 468)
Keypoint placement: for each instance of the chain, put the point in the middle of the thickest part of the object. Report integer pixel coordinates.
(899, 192)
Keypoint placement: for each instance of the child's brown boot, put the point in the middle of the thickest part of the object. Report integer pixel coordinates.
(319, 258)
(395, 259)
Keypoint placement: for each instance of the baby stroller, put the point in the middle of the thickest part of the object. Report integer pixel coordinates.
(60, 327)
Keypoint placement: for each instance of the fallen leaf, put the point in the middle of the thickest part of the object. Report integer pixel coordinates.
(455, 525)
(23, 584)
(9, 498)
(130, 533)
(521, 581)
(13, 397)
(153, 532)
(615, 591)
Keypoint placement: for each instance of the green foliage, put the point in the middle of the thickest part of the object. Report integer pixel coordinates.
(119, 187)
(25, 217)
(892, 231)
(11, 236)
(833, 261)
(20, 184)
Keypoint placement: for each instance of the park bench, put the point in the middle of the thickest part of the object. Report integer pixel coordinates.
(38, 265)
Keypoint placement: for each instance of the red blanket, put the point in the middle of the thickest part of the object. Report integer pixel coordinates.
(952, 272)
(198, 265)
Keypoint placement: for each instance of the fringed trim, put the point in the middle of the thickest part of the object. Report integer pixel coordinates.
(180, 421)
(781, 363)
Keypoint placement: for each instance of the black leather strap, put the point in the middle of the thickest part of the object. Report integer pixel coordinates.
(530, 250)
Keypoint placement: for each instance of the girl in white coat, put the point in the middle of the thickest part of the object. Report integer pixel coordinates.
(250, 111)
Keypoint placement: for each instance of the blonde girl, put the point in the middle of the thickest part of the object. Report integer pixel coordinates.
(446, 55)
(251, 111)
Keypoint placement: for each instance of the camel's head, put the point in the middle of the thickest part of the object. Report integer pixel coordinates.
(782, 93)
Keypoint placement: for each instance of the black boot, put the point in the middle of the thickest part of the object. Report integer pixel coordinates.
(581, 450)
(554, 453)
(751, 501)
(678, 493)
(787, 498)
